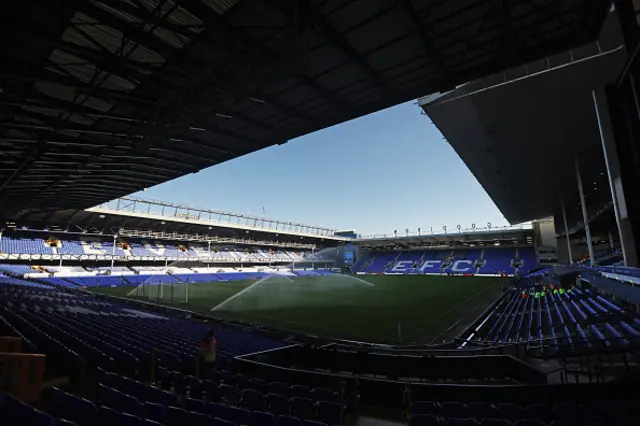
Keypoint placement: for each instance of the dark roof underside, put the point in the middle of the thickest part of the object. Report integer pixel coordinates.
(101, 98)
(520, 139)
(83, 221)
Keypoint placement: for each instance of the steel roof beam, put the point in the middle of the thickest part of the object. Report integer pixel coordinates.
(65, 107)
(106, 61)
(329, 32)
(130, 31)
(505, 32)
(240, 42)
(47, 76)
(423, 32)
(147, 16)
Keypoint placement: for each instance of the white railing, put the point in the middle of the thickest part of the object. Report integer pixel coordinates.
(445, 231)
(168, 210)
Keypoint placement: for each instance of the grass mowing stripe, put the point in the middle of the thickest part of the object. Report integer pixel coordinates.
(337, 307)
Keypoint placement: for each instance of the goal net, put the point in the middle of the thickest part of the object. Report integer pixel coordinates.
(163, 284)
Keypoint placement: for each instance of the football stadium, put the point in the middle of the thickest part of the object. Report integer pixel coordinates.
(117, 309)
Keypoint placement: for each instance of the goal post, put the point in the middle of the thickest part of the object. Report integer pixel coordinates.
(163, 289)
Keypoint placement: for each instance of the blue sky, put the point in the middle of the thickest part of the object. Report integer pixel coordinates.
(385, 171)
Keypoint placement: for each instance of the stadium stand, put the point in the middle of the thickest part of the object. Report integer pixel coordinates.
(579, 318)
(146, 371)
(489, 261)
(89, 246)
(10, 245)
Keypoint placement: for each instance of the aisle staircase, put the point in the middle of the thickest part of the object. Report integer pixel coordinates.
(367, 263)
(480, 261)
(393, 263)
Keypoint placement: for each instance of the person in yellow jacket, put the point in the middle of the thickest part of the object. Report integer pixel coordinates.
(207, 353)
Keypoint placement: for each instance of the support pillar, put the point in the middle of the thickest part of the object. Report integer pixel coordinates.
(585, 216)
(566, 232)
(113, 252)
(611, 245)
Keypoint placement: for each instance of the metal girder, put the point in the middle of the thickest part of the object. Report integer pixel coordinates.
(290, 112)
(243, 42)
(286, 10)
(47, 76)
(106, 61)
(259, 125)
(64, 107)
(215, 20)
(130, 31)
(324, 27)
(423, 32)
(147, 16)
(506, 34)
(324, 93)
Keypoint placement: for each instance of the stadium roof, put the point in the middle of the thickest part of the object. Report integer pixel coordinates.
(109, 222)
(101, 98)
(523, 128)
(521, 234)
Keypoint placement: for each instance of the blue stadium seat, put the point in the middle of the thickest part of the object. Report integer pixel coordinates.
(130, 420)
(229, 394)
(129, 404)
(538, 412)
(279, 388)
(251, 399)
(175, 416)
(177, 382)
(529, 422)
(453, 421)
(277, 404)
(424, 407)
(303, 408)
(482, 410)
(453, 409)
(241, 381)
(239, 415)
(424, 420)
(257, 384)
(287, 421)
(300, 391)
(72, 408)
(106, 416)
(324, 394)
(211, 391)
(495, 422)
(313, 423)
(260, 418)
(154, 411)
(221, 422)
(194, 386)
(511, 412)
(215, 409)
(197, 405)
(64, 422)
(330, 413)
(199, 419)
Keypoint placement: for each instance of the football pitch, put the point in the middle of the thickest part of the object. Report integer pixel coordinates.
(378, 308)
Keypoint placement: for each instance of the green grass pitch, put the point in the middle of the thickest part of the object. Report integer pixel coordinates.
(430, 309)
